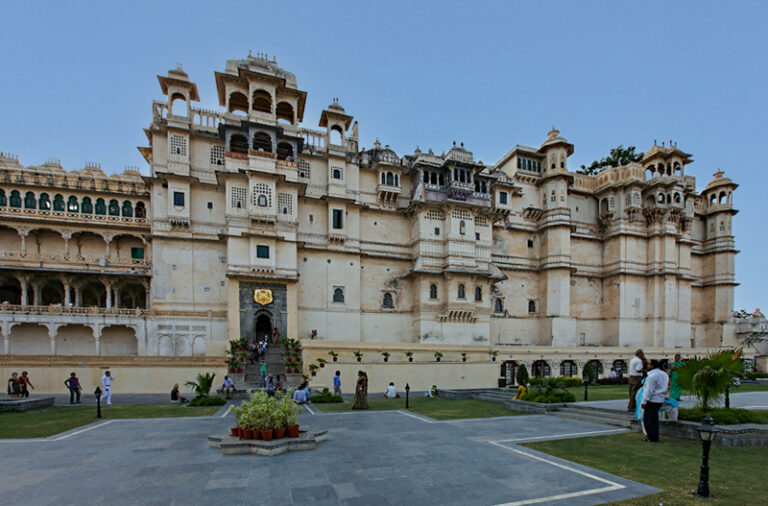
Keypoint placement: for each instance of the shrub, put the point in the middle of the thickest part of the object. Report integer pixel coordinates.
(573, 381)
(556, 395)
(755, 375)
(208, 401)
(326, 399)
(589, 373)
(708, 378)
(724, 416)
(522, 375)
(202, 387)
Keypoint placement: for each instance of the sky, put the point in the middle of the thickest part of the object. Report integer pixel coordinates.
(77, 80)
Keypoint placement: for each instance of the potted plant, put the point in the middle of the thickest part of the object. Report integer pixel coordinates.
(232, 364)
(313, 369)
(305, 377)
(494, 353)
(334, 355)
(322, 362)
(290, 410)
(385, 354)
(438, 356)
(409, 354)
(463, 357)
(358, 355)
(238, 412)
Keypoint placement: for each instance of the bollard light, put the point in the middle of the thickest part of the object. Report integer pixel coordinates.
(707, 433)
(97, 393)
(407, 390)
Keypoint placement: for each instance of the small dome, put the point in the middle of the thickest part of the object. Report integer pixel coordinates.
(335, 106)
(719, 180)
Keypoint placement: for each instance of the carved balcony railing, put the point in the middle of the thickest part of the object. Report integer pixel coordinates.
(95, 219)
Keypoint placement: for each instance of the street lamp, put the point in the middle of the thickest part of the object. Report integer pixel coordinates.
(97, 393)
(707, 433)
(407, 391)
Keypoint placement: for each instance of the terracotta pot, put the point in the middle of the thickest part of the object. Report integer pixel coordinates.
(314, 373)
(239, 370)
(386, 359)
(293, 431)
(240, 432)
(234, 431)
(279, 433)
(248, 433)
(231, 370)
(359, 359)
(296, 349)
(322, 364)
(266, 435)
(410, 359)
(463, 359)
(335, 359)
(437, 359)
(493, 358)
(296, 370)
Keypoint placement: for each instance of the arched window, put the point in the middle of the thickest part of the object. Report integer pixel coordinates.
(29, 201)
(238, 144)
(337, 135)
(141, 211)
(114, 208)
(478, 293)
(661, 198)
(58, 203)
(390, 179)
(338, 295)
(597, 367)
(3, 199)
(425, 177)
(86, 207)
(462, 227)
(387, 302)
(553, 197)
(433, 291)
(336, 174)
(285, 112)
(677, 198)
(669, 198)
(568, 368)
(238, 102)
(44, 202)
(723, 198)
(433, 178)
(285, 151)
(603, 206)
(262, 101)
(477, 186)
(461, 293)
(620, 367)
(531, 306)
(178, 105)
(72, 205)
(15, 198)
(498, 306)
(540, 369)
(127, 209)
(101, 208)
(661, 169)
(262, 142)
(261, 201)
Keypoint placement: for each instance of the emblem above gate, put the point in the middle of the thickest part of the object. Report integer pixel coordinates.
(262, 296)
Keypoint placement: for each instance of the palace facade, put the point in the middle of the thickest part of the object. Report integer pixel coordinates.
(369, 248)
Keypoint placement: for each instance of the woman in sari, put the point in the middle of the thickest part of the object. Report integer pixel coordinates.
(675, 390)
(361, 391)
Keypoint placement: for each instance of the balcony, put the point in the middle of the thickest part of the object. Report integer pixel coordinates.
(79, 218)
(388, 194)
(74, 263)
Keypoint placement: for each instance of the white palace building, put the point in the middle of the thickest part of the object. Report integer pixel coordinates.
(522, 261)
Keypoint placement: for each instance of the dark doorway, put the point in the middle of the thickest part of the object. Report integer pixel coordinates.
(263, 331)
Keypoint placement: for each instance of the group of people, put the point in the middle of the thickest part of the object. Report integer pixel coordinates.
(654, 387)
(18, 386)
(257, 351)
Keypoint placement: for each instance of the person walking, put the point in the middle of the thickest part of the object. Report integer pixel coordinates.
(361, 391)
(263, 371)
(14, 387)
(654, 391)
(337, 384)
(270, 386)
(73, 384)
(106, 385)
(25, 384)
(675, 389)
(635, 378)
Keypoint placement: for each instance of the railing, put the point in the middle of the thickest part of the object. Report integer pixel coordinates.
(60, 309)
(238, 156)
(101, 261)
(206, 118)
(286, 163)
(70, 216)
(314, 138)
(263, 154)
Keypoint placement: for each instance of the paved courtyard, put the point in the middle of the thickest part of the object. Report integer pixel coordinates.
(746, 400)
(370, 458)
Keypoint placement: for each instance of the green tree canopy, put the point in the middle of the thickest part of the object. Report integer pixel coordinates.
(617, 157)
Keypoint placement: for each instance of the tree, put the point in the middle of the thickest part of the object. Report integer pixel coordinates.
(202, 387)
(522, 375)
(617, 157)
(589, 373)
(709, 378)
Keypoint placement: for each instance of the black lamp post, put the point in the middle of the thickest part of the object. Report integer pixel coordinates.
(407, 391)
(97, 393)
(707, 433)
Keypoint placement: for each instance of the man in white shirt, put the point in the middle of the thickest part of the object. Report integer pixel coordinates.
(106, 385)
(228, 386)
(654, 392)
(390, 393)
(635, 378)
(300, 396)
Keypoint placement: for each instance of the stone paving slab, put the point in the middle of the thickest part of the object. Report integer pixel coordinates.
(383, 457)
(748, 400)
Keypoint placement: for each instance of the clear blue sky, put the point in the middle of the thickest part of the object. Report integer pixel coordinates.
(77, 79)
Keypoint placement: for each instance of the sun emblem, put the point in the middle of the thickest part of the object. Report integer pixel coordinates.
(262, 296)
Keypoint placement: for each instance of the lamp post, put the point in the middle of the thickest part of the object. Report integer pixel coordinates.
(97, 393)
(707, 433)
(407, 391)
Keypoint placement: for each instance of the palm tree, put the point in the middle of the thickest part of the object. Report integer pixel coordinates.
(202, 387)
(708, 378)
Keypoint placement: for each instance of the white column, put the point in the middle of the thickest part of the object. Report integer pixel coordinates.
(97, 330)
(52, 334)
(6, 340)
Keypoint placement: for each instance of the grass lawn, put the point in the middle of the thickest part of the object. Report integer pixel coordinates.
(601, 392)
(737, 475)
(749, 388)
(437, 408)
(49, 421)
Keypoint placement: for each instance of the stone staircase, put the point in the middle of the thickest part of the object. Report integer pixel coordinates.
(251, 377)
(595, 415)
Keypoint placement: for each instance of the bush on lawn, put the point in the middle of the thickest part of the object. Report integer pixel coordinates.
(522, 375)
(724, 416)
(556, 395)
(208, 401)
(573, 382)
(325, 397)
(755, 375)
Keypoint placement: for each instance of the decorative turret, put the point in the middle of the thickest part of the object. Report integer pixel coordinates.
(179, 90)
(336, 121)
(556, 151)
(662, 161)
(717, 205)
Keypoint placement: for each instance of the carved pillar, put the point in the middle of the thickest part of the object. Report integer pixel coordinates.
(66, 236)
(24, 284)
(6, 339)
(52, 335)
(23, 233)
(66, 281)
(97, 330)
(78, 294)
(116, 298)
(108, 290)
(108, 240)
(36, 299)
(145, 284)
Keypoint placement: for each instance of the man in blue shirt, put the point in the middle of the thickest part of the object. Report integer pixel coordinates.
(337, 384)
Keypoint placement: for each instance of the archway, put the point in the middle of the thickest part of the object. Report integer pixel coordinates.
(263, 328)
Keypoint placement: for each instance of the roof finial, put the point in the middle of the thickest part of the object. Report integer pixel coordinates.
(249, 54)
(654, 142)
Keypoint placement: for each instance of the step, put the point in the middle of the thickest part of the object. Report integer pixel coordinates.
(579, 411)
(614, 422)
